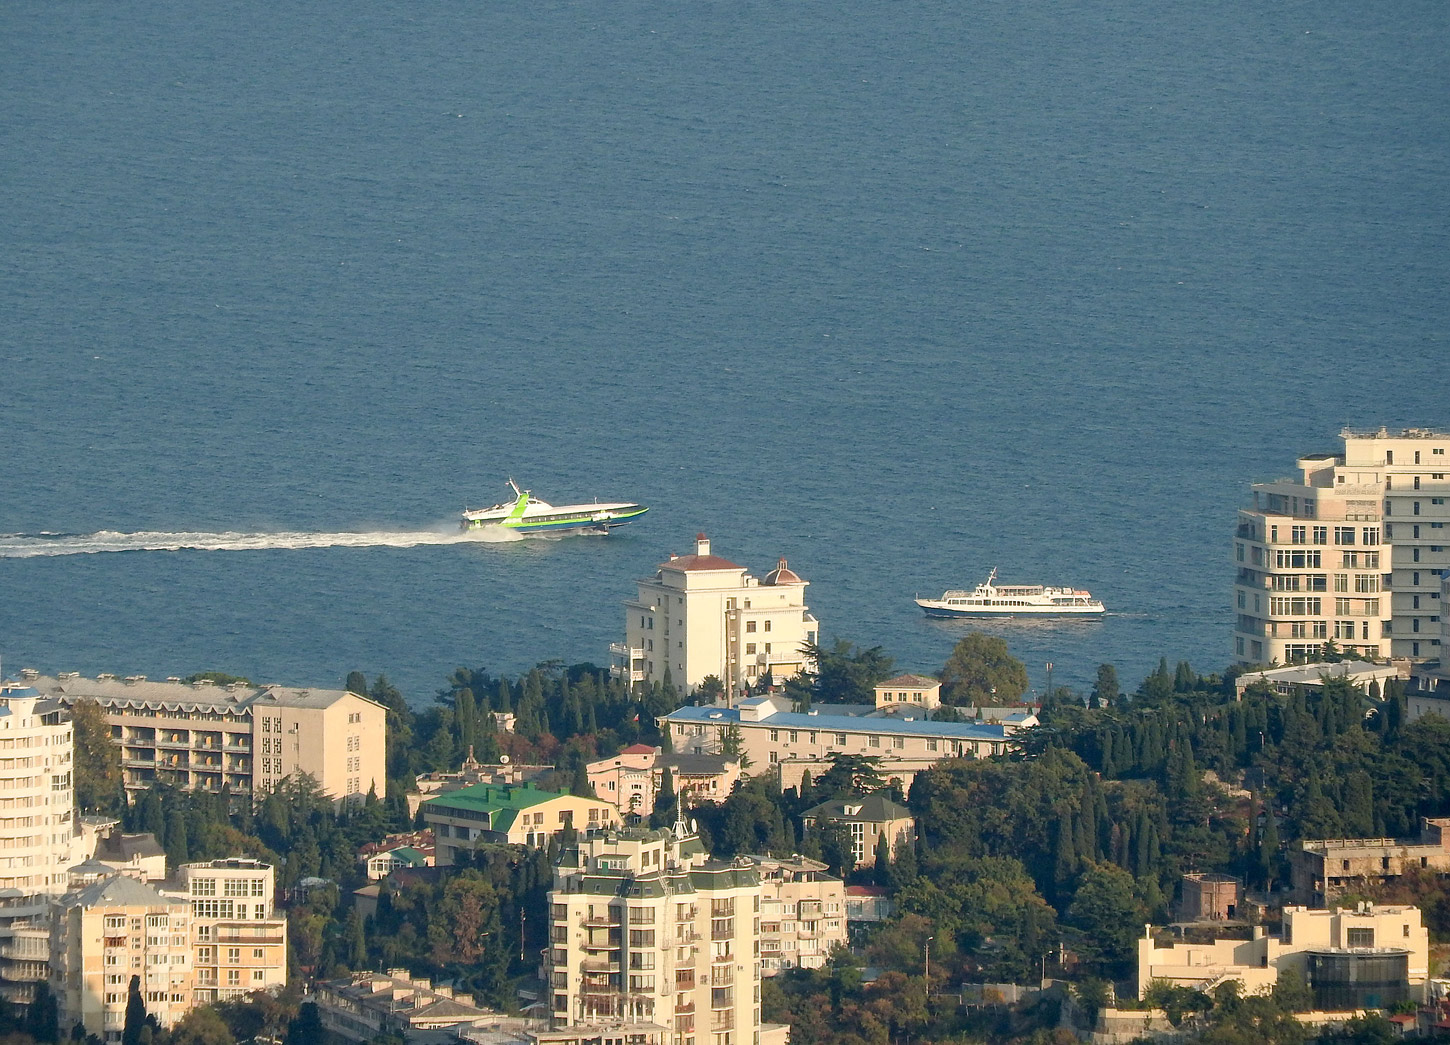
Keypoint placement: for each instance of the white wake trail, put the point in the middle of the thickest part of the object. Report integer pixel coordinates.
(30, 546)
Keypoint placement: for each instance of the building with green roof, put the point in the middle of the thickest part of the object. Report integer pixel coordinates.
(518, 814)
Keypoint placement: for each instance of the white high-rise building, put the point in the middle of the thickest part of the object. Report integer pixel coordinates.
(702, 615)
(647, 931)
(39, 838)
(1350, 552)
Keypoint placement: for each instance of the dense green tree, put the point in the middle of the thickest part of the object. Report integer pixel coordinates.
(981, 671)
(135, 1023)
(97, 760)
(306, 1027)
(667, 803)
(1106, 691)
(1109, 917)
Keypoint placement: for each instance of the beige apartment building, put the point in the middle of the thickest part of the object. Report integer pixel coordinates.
(104, 934)
(631, 779)
(702, 615)
(239, 738)
(802, 913)
(238, 940)
(1352, 551)
(645, 929)
(868, 822)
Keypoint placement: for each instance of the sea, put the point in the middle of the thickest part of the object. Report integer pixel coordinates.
(899, 290)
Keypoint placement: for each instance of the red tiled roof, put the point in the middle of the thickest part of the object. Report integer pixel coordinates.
(865, 890)
(638, 749)
(687, 563)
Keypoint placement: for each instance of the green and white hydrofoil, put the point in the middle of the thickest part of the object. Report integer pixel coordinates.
(527, 514)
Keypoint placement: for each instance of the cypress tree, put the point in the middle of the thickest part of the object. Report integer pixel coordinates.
(135, 1014)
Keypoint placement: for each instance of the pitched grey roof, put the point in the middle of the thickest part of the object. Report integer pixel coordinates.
(873, 808)
(120, 891)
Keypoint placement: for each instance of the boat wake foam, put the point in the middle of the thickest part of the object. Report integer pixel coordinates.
(40, 545)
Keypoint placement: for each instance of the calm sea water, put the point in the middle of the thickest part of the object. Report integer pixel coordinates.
(898, 290)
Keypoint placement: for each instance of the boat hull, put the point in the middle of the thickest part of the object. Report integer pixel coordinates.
(588, 519)
(959, 613)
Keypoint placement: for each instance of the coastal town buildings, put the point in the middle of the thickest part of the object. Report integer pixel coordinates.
(802, 913)
(520, 814)
(1323, 868)
(40, 836)
(702, 615)
(382, 858)
(775, 739)
(1366, 957)
(869, 822)
(368, 1005)
(1353, 551)
(1361, 673)
(108, 932)
(647, 931)
(238, 940)
(631, 779)
(238, 738)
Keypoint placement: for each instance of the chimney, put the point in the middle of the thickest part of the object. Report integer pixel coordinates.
(702, 544)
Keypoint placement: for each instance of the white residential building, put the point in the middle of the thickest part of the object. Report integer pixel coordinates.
(702, 615)
(40, 838)
(645, 929)
(1351, 552)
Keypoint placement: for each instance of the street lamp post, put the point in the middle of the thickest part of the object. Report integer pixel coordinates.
(928, 963)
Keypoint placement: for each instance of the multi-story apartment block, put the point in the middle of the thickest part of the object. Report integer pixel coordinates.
(40, 838)
(775, 739)
(517, 814)
(239, 738)
(239, 944)
(1352, 552)
(645, 928)
(802, 913)
(108, 932)
(702, 615)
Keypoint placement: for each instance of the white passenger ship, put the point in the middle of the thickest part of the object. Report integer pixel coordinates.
(1029, 600)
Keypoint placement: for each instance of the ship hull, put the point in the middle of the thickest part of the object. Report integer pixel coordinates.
(958, 613)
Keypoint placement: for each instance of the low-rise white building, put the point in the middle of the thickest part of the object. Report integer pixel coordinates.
(1310, 941)
(1284, 680)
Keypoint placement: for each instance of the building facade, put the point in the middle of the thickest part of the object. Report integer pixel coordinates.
(238, 941)
(240, 738)
(802, 913)
(1257, 962)
(1323, 868)
(368, 1005)
(631, 779)
(868, 822)
(1353, 551)
(40, 837)
(646, 930)
(105, 934)
(702, 615)
(772, 738)
(517, 814)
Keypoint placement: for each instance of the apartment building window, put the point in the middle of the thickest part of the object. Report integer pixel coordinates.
(1296, 534)
(767, 625)
(840, 740)
(1371, 535)
(873, 741)
(793, 737)
(750, 627)
(774, 736)
(234, 955)
(749, 648)
(767, 647)
(203, 887)
(1344, 535)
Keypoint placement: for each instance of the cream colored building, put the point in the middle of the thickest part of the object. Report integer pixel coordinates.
(239, 942)
(775, 739)
(646, 929)
(104, 934)
(702, 615)
(517, 814)
(1353, 551)
(802, 913)
(1257, 962)
(241, 738)
(909, 691)
(370, 1004)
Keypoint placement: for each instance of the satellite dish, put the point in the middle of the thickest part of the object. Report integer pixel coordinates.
(503, 760)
